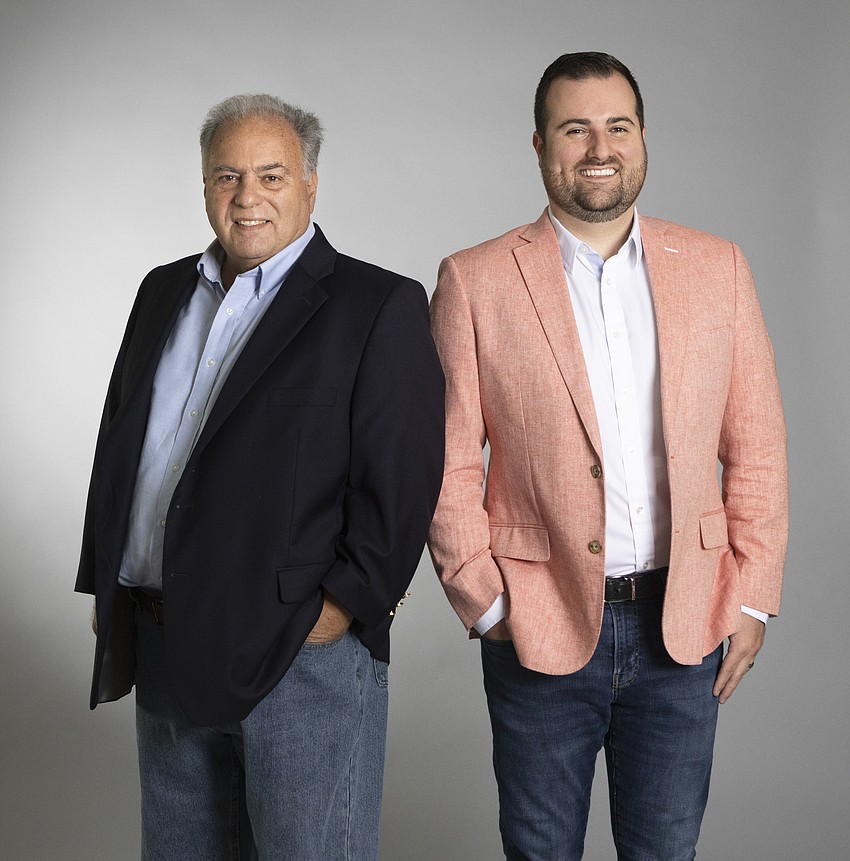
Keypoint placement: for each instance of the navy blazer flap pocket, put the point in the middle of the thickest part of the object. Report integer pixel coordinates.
(299, 583)
(520, 542)
(713, 530)
(303, 396)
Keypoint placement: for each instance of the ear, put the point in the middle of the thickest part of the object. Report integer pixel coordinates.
(538, 144)
(312, 188)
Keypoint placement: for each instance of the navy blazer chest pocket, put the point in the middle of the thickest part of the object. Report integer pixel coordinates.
(303, 396)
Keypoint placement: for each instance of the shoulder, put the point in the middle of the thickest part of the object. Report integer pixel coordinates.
(658, 229)
(345, 276)
(493, 249)
(367, 273)
(368, 285)
(176, 270)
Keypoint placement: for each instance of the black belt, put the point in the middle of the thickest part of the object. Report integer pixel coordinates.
(147, 603)
(635, 587)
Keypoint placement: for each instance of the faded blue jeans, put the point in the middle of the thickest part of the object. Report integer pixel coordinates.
(298, 780)
(656, 720)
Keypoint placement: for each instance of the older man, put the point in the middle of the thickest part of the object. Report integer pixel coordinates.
(609, 360)
(268, 462)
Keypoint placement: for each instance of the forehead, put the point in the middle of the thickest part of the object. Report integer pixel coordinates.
(591, 99)
(255, 140)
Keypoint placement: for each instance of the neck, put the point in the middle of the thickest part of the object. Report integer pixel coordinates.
(606, 238)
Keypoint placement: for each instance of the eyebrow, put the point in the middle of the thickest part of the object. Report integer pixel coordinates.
(226, 168)
(581, 121)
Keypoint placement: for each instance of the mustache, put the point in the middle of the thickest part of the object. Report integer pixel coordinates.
(598, 162)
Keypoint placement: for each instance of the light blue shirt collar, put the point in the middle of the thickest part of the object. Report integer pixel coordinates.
(266, 275)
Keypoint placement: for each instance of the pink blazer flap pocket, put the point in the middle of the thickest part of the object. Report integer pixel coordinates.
(530, 543)
(712, 528)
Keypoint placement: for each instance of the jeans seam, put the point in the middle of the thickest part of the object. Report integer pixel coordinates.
(361, 679)
(612, 794)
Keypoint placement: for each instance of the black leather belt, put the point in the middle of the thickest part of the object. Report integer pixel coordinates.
(148, 604)
(635, 587)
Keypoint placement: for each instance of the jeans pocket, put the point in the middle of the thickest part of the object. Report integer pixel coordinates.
(381, 673)
(499, 644)
(323, 644)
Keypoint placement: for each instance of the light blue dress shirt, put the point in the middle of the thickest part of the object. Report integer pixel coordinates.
(210, 333)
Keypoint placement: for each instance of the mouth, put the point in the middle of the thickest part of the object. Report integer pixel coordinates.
(244, 222)
(597, 171)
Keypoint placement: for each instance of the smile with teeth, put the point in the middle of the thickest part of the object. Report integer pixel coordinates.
(597, 171)
(253, 223)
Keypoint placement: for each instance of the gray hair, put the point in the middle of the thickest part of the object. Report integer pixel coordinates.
(237, 108)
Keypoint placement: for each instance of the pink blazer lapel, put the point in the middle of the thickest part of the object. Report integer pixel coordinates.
(540, 264)
(668, 267)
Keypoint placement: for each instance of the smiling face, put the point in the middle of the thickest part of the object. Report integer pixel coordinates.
(257, 198)
(593, 158)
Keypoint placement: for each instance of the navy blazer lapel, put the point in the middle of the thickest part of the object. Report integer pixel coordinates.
(155, 323)
(299, 297)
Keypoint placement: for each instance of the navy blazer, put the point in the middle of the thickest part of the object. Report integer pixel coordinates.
(319, 467)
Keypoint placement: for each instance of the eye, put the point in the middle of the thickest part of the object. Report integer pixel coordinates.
(575, 132)
(226, 178)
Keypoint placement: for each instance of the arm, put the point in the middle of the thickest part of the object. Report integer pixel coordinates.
(86, 569)
(397, 437)
(755, 482)
(460, 532)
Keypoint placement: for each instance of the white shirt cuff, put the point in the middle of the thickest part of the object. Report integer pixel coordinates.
(495, 614)
(756, 614)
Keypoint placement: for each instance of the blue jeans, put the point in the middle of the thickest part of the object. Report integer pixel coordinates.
(655, 718)
(298, 780)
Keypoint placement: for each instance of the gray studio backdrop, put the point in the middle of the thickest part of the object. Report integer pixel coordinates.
(428, 115)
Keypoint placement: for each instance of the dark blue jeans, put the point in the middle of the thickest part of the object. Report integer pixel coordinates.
(298, 780)
(655, 718)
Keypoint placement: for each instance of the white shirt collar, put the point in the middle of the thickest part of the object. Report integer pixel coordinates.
(572, 247)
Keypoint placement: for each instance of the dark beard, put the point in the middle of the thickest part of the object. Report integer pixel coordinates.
(596, 207)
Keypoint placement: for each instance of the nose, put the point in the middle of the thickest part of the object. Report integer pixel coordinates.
(599, 147)
(248, 193)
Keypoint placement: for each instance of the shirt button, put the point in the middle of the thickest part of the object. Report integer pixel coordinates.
(596, 470)
(210, 362)
(230, 312)
(175, 468)
(639, 510)
(595, 547)
(162, 523)
(194, 414)
(645, 566)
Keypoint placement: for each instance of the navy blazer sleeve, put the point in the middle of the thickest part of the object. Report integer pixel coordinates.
(396, 466)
